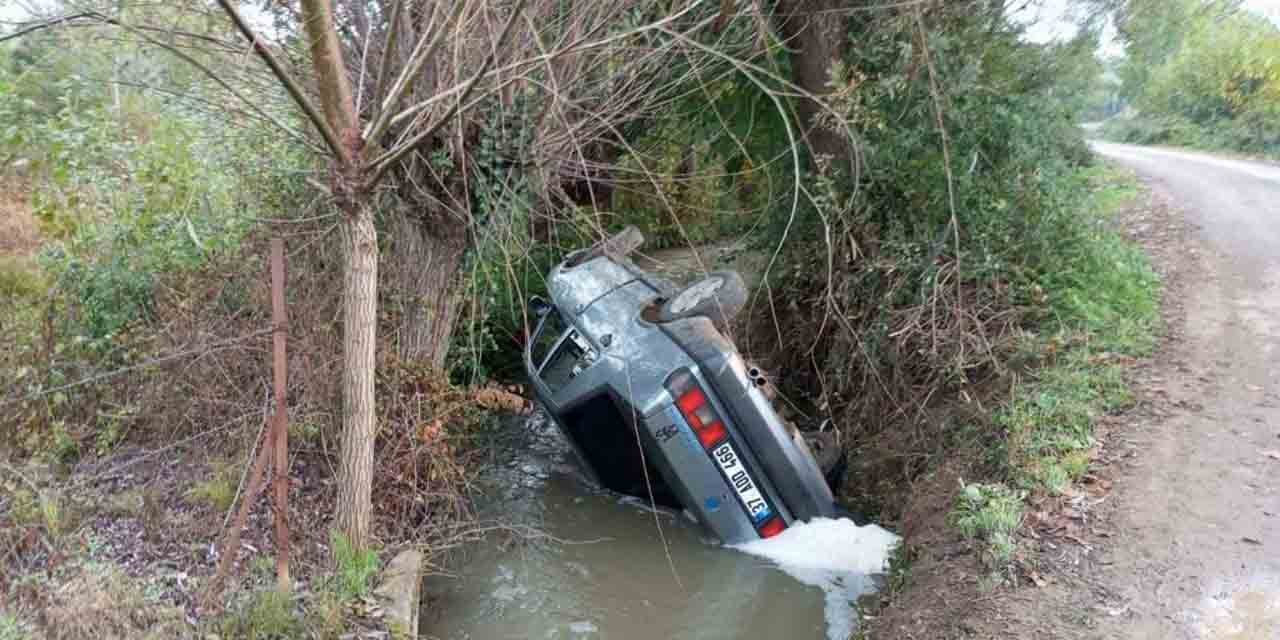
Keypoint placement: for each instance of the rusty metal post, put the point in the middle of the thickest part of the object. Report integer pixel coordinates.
(280, 420)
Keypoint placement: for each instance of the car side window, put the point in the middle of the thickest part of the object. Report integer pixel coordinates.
(553, 326)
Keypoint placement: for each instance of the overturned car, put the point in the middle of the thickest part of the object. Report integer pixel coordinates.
(657, 402)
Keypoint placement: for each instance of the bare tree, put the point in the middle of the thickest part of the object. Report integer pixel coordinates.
(452, 124)
(404, 92)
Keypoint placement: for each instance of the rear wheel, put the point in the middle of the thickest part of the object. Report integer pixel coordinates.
(827, 452)
(719, 297)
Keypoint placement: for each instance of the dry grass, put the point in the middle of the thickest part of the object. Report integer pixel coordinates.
(19, 234)
(101, 602)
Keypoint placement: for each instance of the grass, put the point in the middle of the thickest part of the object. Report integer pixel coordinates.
(991, 513)
(355, 569)
(20, 278)
(46, 508)
(1104, 307)
(1049, 421)
(218, 491)
(268, 614)
(11, 628)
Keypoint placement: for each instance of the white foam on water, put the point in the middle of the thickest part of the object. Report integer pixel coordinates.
(583, 627)
(836, 556)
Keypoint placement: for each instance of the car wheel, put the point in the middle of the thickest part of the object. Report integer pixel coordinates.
(828, 454)
(719, 297)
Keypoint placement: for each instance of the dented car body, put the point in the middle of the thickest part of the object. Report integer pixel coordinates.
(657, 403)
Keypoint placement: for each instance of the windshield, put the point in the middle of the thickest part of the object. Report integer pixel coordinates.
(549, 331)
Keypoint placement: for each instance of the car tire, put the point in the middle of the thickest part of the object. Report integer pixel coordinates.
(718, 297)
(826, 452)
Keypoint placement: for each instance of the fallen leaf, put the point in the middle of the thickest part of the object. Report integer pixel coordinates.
(1249, 540)
(1270, 453)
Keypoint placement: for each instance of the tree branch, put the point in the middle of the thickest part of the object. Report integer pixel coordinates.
(47, 24)
(290, 85)
(421, 54)
(212, 76)
(393, 155)
(388, 51)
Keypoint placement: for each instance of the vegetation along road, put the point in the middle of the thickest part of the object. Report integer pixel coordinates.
(1196, 519)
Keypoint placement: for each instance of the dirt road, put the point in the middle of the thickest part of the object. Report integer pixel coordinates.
(1189, 545)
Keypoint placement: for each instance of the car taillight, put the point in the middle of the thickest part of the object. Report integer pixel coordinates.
(697, 410)
(772, 527)
(709, 427)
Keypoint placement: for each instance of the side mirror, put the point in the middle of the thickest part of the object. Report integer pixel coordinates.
(539, 307)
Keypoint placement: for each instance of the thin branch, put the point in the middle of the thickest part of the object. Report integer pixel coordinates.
(47, 24)
(294, 89)
(212, 76)
(388, 51)
(418, 59)
(386, 160)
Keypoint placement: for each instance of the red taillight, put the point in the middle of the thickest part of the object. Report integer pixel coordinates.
(691, 401)
(773, 527)
(711, 434)
(697, 411)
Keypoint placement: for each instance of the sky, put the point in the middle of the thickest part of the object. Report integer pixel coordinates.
(1047, 19)
(1051, 20)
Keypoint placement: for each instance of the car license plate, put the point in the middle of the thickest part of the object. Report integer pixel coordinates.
(745, 486)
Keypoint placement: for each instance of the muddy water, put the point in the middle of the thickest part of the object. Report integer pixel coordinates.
(601, 566)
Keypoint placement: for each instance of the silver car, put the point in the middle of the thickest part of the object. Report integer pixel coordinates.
(657, 403)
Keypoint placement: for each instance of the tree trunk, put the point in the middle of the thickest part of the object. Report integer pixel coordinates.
(423, 266)
(816, 32)
(359, 331)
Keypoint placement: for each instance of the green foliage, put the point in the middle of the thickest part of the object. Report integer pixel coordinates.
(717, 166)
(1101, 284)
(991, 513)
(134, 191)
(1000, 204)
(1201, 74)
(355, 569)
(131, 185)
(1105, 305)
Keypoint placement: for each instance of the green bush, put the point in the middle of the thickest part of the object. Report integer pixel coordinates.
(1201, 74)
(129, 186)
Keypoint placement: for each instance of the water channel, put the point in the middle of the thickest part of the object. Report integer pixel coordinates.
(606, 566)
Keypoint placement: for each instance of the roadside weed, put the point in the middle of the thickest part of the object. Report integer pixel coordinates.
(1105, 306)
(1048, 423)
(991, 513)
